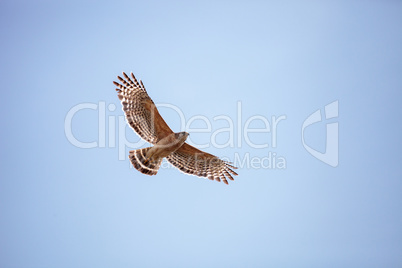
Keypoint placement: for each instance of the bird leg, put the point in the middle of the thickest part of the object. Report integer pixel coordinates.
(148, 158)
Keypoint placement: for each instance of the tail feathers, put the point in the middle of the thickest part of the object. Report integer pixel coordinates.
(142, 164)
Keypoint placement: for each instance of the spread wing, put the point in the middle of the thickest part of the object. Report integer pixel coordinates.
(192, 161)
(141, 112)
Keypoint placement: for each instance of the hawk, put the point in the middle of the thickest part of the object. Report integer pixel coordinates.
(143, 116)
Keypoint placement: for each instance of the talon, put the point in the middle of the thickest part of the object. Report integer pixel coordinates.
(148, 159)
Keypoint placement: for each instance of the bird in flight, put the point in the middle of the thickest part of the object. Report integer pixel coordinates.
(143, 116)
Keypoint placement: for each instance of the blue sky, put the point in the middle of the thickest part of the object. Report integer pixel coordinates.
(66, 206)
